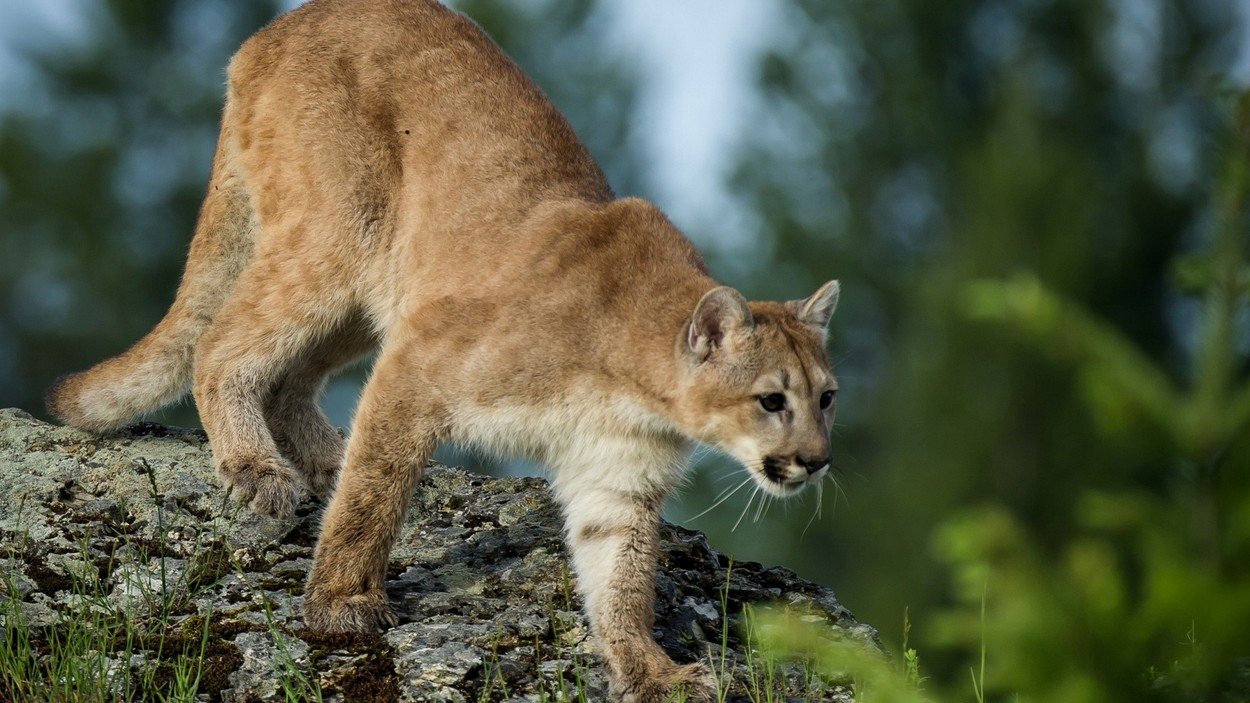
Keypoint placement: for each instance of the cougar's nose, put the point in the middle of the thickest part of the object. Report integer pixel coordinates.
(812, 464)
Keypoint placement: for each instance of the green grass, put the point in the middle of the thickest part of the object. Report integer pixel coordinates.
(153, 649)
(86, 655)
(911, 658)
(978, 676)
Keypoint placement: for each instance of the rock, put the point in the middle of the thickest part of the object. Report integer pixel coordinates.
(264, 655)
(134, 527)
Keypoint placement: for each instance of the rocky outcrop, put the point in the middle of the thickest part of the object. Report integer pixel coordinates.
(132, 532)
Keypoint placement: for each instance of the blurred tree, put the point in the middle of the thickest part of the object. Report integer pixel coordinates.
(104, 164)
(1146, 597)
(910, 147)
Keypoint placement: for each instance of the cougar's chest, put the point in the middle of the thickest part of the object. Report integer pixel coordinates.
(571, 431)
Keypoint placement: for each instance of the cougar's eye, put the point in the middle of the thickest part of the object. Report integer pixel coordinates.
(773, 402)
(826, 399)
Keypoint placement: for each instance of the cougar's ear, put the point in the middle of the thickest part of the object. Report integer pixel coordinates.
(721, 312)
(817, 309)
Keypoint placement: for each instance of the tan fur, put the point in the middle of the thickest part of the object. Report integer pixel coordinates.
(386, 177)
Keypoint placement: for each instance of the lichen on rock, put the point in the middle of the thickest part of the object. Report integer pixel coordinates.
(135, 523)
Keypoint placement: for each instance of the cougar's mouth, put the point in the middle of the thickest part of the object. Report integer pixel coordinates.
(780, 478)
(777, 477)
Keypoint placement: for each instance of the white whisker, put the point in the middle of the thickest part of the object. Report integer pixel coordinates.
(837, 486)
(724, 496)
(841, 491)
(745, 509)
(820, 495)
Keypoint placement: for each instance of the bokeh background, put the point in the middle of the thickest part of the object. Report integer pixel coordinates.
(1036, 209)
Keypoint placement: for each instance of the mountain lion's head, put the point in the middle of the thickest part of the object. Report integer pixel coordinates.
(757, 383)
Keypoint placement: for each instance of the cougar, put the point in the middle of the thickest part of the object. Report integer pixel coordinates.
(385, 177)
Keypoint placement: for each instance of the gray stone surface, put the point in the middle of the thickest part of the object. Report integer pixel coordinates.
(479, 578)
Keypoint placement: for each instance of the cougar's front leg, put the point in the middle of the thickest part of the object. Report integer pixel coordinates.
(614, 540)
(396, 430)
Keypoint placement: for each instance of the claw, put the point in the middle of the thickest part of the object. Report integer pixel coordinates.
(366, 612)
(267, 485)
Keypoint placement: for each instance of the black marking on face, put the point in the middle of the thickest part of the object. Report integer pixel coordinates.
(775, 468)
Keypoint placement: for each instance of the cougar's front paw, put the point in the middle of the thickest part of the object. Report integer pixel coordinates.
(268, 485)
(363, 612)
(317, 457)
(322, 477)
(691, 683)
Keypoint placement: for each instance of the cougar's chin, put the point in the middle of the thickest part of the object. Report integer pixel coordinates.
(777, 486)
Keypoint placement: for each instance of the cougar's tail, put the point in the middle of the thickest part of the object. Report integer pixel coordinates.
(157, 370)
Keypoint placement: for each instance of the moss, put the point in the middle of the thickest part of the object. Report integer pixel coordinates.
(218, 665)
(220, 655)
(372, 679)
(209, 568)
(151, 548)
(342, 641)
(47, 579)
(154, 429)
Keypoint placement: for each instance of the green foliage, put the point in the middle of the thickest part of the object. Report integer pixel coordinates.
(786, 634)
(1043, 336)
(1147, 598)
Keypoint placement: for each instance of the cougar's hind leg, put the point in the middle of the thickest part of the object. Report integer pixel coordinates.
(280, 309)
(396, 429)
(300, 429)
